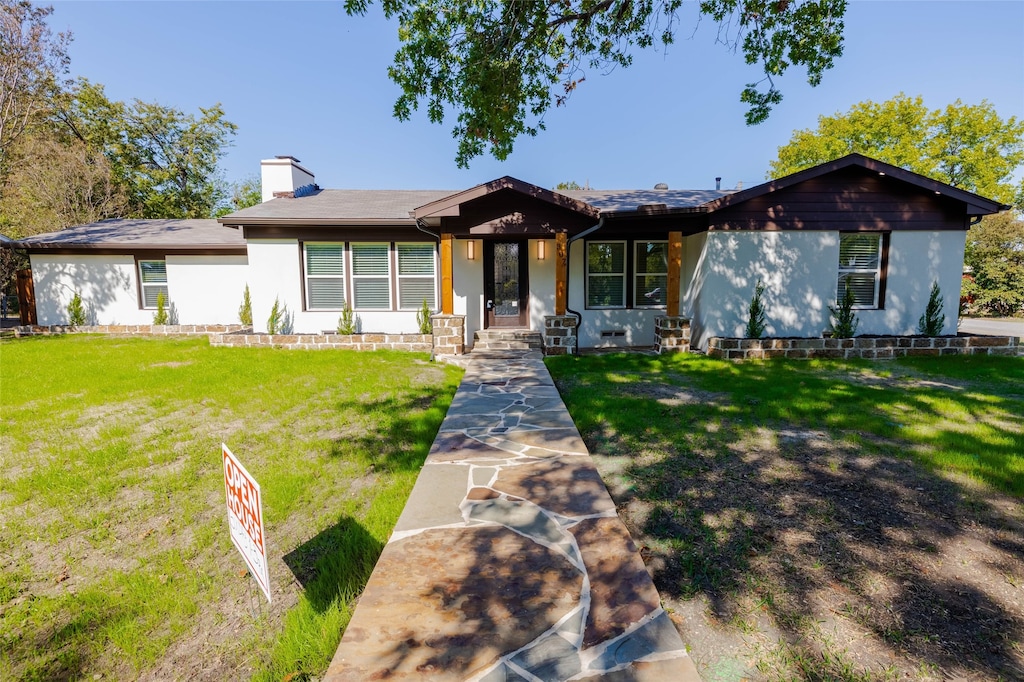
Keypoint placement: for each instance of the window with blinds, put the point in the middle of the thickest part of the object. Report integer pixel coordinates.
(417, 276)
(860, 261)
(371, 276)
(606, 274)
(325, 276)
(650, 274)
(153, 281)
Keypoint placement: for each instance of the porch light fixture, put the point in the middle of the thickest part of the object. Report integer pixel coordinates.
(471, 249)
(542, 249)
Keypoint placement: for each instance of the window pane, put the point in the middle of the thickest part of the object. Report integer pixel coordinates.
(326, 293)
(862, 286)
(605, 290)
(325, 259)
(859, 251)
(371, 293)
(650, 290)
(150, 293)
(412, 291)
(607, 257)
(370, 259)
(153, 272)
(415, 259)
(651, 257)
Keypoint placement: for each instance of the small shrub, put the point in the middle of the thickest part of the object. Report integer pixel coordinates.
(423, 319)
(347, 322)
(278, 314)
(245, 310)
(755, 321)
(76, 311)
(845, 322)
(161, 316)
(932, 322)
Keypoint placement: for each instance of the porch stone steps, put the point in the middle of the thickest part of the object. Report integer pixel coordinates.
(507, 339)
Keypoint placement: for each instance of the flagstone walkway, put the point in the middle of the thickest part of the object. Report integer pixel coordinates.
(509, 561)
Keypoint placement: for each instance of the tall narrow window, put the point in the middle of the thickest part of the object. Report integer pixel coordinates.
(417, 281)
(860, 268)
(325, 276)
(152, 281)
(371, 276)
(650, 274)
(606, 274)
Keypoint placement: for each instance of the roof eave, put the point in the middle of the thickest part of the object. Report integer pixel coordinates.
(450, 205)
(125, 247)
(318, 222)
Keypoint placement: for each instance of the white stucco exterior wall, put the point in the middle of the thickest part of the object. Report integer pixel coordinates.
(542, 282)
(106, 283)
(468, 285)
(206, 289)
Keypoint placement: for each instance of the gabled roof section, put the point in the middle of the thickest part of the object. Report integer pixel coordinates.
(976, 205)
(449, 206)
(127, 234)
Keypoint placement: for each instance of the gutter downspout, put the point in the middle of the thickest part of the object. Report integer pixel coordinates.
(422, 228)
(568, 280)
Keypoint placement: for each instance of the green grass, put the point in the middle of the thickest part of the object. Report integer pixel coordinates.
(110, 475)
(973, 428)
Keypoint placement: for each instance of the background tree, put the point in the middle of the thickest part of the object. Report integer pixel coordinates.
(501, 64)
(32, 61)
(967, 146)
(995, 256)
(245, 193)
(570, 185)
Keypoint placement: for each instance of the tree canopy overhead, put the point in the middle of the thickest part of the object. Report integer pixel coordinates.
(965, 145)
(501, 64)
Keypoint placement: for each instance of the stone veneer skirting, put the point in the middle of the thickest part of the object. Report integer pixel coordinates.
(882, 347)
(671, 333)
(420, 343)
(559, 334)
(131, 329)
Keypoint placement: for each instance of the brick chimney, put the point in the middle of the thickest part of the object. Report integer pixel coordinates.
(282, 176)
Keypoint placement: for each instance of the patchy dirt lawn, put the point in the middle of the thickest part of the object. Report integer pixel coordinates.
(784, 551)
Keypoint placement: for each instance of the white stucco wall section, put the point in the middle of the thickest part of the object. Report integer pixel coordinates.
(542, 282)
(468, 285)
(798, 269)
(206, 289)
(916, 259)
(106, 283)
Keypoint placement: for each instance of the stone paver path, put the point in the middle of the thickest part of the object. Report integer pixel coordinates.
(509, 561)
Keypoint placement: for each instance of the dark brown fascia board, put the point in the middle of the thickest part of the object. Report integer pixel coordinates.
(319, 222)
(637, 213)
(104, 249)
(449, 206)
(976, 205)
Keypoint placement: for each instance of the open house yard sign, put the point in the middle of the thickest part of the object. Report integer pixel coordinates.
(245, 518)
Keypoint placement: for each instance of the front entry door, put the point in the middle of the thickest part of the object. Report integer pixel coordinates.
(506, 284)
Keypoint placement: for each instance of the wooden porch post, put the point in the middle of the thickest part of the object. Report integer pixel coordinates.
(447, 268)
(675, 267)
(561, 273)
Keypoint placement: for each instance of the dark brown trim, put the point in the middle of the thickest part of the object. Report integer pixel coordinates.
(393, 270)
(404, 233)
(450, 206)
(922, 226)
(883, 273)
(316, 222)
(302, 273)
(975, 204)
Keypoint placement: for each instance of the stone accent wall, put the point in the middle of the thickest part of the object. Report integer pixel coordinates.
(559, 334)
(671, 333)
(132, 329)
(449, 334)
(420, 343)
(884, 347)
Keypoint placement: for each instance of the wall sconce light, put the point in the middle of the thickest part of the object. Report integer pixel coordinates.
(542, 249)
(471, 249)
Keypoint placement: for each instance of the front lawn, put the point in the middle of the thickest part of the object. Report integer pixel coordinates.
(821, 520)
(115, 558)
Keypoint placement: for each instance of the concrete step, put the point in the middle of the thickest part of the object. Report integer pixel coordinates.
(507, 339)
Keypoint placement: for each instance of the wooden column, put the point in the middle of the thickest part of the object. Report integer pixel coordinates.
(561, 273)
(675, 268)
(447, 268)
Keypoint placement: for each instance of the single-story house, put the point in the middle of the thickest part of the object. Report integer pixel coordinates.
(509, 254)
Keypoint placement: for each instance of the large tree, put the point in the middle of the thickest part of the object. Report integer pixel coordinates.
(965, 145)
(32, 62)
(501, 64)
(995, 256)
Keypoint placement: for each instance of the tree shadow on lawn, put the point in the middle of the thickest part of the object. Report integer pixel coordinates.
(780, 497)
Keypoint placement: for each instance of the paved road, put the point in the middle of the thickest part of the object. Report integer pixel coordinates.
(980, 325)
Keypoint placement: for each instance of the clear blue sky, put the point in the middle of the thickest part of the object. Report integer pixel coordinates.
(305, 79)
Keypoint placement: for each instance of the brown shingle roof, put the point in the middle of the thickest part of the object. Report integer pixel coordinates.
(134, 234)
